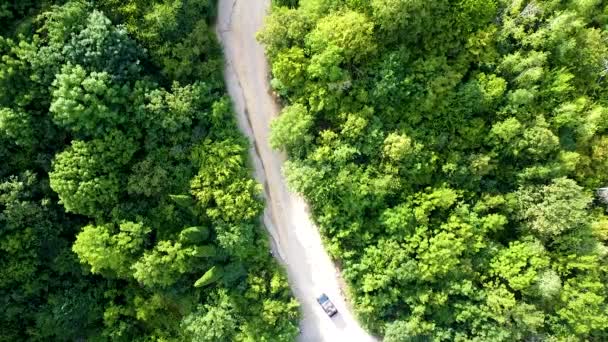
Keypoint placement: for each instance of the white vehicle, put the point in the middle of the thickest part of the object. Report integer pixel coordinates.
(327, 305)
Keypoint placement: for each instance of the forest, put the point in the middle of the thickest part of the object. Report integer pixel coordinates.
(455, 157)
(127, 209)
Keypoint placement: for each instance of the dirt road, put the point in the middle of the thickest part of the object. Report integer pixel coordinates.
(296, 241)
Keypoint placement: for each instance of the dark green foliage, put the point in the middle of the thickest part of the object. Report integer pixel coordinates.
(101, 46)
(17, 14)
(127, 209)
(176, 34)
(450, 151)
(287, 3)
(44, 293)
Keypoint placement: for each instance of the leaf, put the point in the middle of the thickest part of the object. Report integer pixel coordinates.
(211, 276)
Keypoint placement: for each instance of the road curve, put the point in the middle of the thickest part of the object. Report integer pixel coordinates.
(296, 241)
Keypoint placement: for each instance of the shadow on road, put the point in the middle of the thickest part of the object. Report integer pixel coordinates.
(339, 321)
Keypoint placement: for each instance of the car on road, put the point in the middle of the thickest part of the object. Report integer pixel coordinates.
(327, 305)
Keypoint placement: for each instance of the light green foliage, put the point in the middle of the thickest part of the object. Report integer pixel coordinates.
(289, 70)
(194, 235)
(163, 265)
(222, 180)
(397, 146)
(549, 284)
(182, 61)
(449, 151)
(284, 28)
(168, 114)
(86, 175)
(398, 15)
(554, 209)
(212, 322)
(267, 291)
(16, 127)
(349, 32)
(211, 276)
(226, 193)
(290, 130)
(401, 331)
(584, 306)
(88, 104)
(111, 251)
(520, 264)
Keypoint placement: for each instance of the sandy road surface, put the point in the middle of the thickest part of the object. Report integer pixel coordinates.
(296, 241)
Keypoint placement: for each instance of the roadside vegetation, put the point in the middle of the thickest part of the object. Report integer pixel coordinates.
(451, 152)
(127, 209)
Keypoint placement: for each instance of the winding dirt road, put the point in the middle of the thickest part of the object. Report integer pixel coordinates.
(296, 241)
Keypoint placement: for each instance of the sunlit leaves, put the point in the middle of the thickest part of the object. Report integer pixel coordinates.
(111, 249)
(350, 33)
(554, 209)
(16, 127)
(521, 264)
(291, 129)
(454, 150)
(163, 266)
(86, 175)
(88, 103)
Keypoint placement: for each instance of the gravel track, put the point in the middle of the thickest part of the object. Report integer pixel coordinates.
(295, 240)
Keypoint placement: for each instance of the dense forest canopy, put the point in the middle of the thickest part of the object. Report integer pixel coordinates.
(127, 210)
(451, 151)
